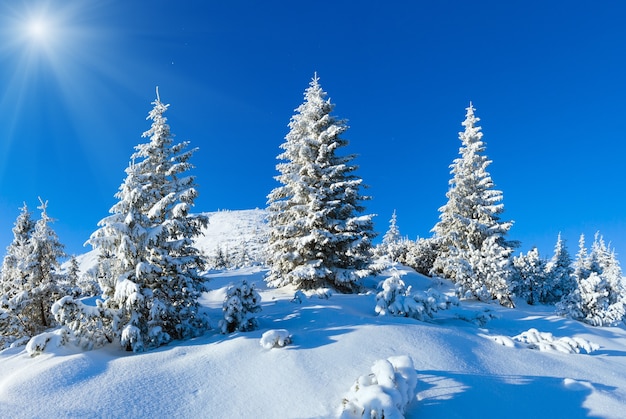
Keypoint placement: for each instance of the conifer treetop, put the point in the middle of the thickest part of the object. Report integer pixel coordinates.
(153, 280)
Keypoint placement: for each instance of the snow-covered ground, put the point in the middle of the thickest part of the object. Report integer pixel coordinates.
(465, 369)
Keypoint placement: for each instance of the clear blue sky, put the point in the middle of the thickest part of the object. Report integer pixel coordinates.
(548, 80)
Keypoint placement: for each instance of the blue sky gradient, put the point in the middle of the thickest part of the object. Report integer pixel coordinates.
(547, 80)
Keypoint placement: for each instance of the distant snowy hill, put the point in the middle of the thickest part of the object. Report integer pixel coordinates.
(234, 232)
(473, 361)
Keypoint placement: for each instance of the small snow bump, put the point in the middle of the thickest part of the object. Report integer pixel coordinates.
(577, 385)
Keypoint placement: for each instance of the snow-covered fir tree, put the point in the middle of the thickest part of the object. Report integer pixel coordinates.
(13, 278)
(390, 299)
(152, 281)
(12, 275)
(420, 254)
(42, 268)
(73, 272)
(396, 299)
(241, 301)
(392, 235)
(530, 280)
(393, 246)
(243, 257)
(581, 269)
(88, 283)
(600, 256)
(484, 273)
(559, 272)
(31, 280)
(222, 258)
(318, 234)
(599, 296)
(70, 279)
(471, 216)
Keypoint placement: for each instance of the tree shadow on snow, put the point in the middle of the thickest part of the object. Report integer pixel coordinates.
(556, 325)
(608, 352)
(458, 395)
(311, 326)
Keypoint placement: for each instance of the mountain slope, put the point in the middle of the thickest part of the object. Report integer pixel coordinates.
(233, 232)
(465, 370)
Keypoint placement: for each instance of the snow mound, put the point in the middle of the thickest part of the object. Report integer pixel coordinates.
(504, 341)
(577, 385)
(275, 338)
(38, 344)
(384, 393)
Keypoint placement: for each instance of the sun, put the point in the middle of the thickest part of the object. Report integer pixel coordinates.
(56, 59)
(38, 29)
(43, 30)
(46, 47)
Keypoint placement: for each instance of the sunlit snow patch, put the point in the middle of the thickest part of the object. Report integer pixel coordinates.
(577, 385)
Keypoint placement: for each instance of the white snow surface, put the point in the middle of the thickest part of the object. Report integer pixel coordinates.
(460, 373)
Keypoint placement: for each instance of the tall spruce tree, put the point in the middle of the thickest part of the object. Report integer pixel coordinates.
(13, 277)
(73, 273)
(43, 266)
(318, 235)
(393, 246)
(392, 236)
(471, 217)
(30, 281)
(152, 282)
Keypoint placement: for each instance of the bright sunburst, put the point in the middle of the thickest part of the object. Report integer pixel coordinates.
(46, 31)
(34, 45)
(50, 57)
(38, 29)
